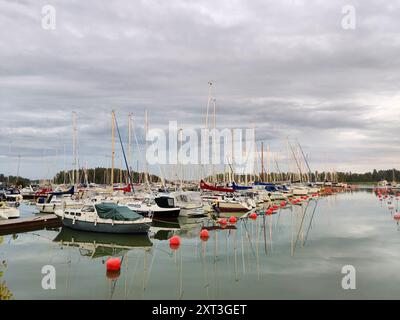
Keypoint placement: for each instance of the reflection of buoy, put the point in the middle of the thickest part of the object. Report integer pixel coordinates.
(253, 216)
(113, 275)
(396, 216)
(204, 235)
(174, 242)
(232, 219)
(113, 264)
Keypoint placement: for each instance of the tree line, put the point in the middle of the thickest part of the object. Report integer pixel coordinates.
(103, 176)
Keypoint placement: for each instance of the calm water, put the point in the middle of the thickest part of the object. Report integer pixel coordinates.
(284, 256)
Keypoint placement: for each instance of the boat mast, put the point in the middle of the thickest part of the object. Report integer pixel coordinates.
(262, 161)
(75, 162)
(146, 128)
(205, 142)
(112, 147)
(214, 142)
(268, 166)
(129, 143)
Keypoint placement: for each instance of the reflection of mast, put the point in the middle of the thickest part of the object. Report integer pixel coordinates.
(311, 220)
(204, 266)
(235, 253)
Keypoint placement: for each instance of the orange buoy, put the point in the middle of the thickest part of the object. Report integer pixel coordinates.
(204, 235)
(174, 242)
(253, 216)
(113, 264)
(232, 219)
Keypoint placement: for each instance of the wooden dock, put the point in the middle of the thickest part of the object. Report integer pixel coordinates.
(11, 226)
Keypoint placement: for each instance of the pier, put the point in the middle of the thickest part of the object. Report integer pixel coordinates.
(29, 224)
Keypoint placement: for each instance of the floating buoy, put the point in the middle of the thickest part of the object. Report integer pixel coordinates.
(222, 222)
(232, 219)
(268, 212)
(204, 235)
(253, 216)
(113, 264)
(174, 242)
(283, 203)
(396, 216)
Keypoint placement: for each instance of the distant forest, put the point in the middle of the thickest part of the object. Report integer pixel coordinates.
(13, 180)
(103, 175)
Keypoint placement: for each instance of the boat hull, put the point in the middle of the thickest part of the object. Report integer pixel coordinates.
(106, 227)
(160, 214)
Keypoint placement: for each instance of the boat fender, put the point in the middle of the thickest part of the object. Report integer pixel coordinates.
(73, 220)
(43, 208)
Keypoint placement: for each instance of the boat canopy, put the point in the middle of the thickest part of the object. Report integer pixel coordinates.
(116, 212)
(237, 187)
(60, 193)
(165, 202)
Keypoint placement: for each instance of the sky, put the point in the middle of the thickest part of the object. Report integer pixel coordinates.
(288, 68)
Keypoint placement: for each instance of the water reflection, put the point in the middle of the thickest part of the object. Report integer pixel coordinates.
(5, 292)
(298, 252)
(96, 245)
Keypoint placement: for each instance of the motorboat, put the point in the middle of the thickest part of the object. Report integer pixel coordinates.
(189, 202)
(8, 212)
(157, 206)
(104, 217)
(57, 200)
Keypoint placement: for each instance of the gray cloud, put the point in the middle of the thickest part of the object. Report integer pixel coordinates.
(287, 67)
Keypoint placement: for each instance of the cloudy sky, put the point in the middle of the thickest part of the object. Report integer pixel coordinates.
(287, 67)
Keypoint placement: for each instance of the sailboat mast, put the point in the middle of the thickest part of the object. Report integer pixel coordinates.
(262, 161)
(146, 128)
(129, 143)
(75, 161)
(112, 147)
(214, 142)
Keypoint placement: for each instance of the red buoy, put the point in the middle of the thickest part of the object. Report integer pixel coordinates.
(283, 203)
(204, 235)
(253, 216)
(268, 212)
(113, 264)
(222, 222)
(396, 216)
(174, 242)
(232, 219)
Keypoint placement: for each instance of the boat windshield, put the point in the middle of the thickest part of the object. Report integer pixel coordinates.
(88, 209)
